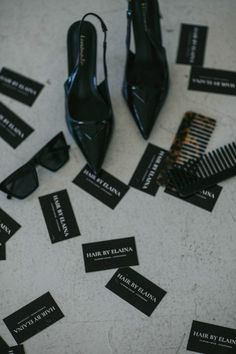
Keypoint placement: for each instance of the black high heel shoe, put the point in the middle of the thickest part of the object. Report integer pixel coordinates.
(146, 77)
(89, 113)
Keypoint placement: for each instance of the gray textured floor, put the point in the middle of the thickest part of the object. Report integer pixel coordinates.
(187, 251)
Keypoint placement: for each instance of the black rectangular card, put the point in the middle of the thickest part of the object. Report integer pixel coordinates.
(5, 349)
(192, 44)
(212, 80)
(18, 349)
(19, 87)
(105, 187)
(8, 226)
(136, 290)
(59, 216)
(3, 344)
(205, 199)
(211, 339)
(2, 252)
(33, 318)
(12, 128)
(110, 254)
(144, 177)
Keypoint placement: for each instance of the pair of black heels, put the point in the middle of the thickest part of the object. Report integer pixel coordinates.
(89, 112)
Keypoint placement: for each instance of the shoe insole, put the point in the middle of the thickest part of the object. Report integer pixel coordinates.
(86, 103)
(145, 16)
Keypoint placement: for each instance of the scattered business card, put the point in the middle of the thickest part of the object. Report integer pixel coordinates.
(205, 199)
(3, 344)
(19, 87)
(8, 226)
(144, 177)
(59, 216)
(2, 253)
(212, 80)
(104, 187)
(18, 349)
(211, 339)
(5, 349)
(110, 254)
(192, 44)
(12, 128)
(136, 290)
(33, 318)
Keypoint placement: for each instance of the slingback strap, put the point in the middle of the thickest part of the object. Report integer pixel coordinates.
(148, 31)
(129, 19)
(104, 29)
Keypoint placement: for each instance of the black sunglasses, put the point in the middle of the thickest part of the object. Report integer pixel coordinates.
(24, 181)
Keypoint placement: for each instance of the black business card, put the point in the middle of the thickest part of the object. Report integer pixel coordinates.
(144, 177)
(3, 344)
(211, 339)
(136, 290)
(110, 254)
(192, 44)
(212, 80)
(18, 349)
(205, 199)
(8, 226)
(2, 252)
(19, 87)
(59, 216)
(12, 128)
(33, 318)
(5, 349)
(105, 187)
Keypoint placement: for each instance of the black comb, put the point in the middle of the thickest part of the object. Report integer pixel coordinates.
(211, 168)
(190, 142)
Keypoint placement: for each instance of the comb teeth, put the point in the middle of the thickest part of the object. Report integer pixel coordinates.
(210, 169)
(190, 142)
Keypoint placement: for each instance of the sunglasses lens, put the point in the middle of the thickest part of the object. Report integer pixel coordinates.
(55, 154)
(22, 183)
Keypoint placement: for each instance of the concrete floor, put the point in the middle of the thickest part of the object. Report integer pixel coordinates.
(187, 251)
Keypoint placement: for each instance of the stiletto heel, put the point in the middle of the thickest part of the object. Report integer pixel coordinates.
(146, 78)
(89, 113)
